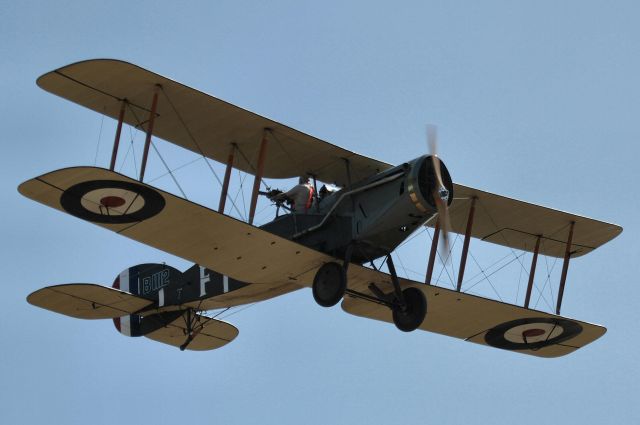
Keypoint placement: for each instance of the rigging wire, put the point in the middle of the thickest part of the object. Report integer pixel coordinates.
(196, 144)
(496, 271)
(239, 310)
(547, 282)
(541, 291)
(445, 261)
(266, 186)
(478, 274)
(176, 169)
(244, 204)
(221, 312)
(184, 195)
(126, 155)
(291, 158)
(95, 159)
(485, 276)
(519, 283)
(507, 243)
(206, 160)
(402, 265)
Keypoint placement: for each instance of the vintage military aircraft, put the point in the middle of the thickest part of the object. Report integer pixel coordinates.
(378, 206)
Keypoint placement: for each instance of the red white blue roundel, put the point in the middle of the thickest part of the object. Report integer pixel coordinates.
(532, 333)
(111, 201)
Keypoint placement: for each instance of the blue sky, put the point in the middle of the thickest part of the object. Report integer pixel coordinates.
(533, 100)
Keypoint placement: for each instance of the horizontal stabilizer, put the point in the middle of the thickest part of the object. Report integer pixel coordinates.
(87, 301)
(208, 334)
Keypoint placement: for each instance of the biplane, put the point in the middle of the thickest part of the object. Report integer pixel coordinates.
(327, 248)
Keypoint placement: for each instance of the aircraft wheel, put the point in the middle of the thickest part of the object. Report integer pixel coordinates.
(329, 284)
(412, 316)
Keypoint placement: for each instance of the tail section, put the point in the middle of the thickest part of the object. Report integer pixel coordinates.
(138, 301)
(150, 281)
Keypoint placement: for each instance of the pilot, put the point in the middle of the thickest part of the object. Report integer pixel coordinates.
(301, 196)
(325, 191)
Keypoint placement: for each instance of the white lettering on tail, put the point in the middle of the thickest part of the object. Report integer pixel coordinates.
(204, 278)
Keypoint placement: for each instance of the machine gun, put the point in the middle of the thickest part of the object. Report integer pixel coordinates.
(271, 194)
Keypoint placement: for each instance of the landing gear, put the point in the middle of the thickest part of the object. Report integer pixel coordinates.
(329, 284)
(408, 307)
(409, 317)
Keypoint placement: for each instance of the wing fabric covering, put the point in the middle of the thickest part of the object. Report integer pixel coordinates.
(175, 225)
(87, 301)
(209, 334)
(517, 224)
(209, 126)
(476, 319)
(202, 123)
(249, 254)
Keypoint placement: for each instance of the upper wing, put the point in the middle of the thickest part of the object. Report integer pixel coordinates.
(207, 125)
(202, 123)
(517, 224)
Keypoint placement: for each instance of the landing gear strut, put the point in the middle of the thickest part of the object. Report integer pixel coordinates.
(408, 307)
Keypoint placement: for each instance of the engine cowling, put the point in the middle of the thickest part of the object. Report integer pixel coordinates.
(387, 214)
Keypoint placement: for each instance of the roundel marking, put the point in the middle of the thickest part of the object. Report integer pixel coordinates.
(111, 201)
(532, 333)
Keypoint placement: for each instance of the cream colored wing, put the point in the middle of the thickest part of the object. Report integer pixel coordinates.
(202, 123)
(209, 334)
(517, 224)
(164, 221)
(87, 301)
(481, 320)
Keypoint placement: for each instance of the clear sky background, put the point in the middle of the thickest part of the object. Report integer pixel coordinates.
(534, 100)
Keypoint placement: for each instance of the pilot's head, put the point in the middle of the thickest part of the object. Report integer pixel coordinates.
(303, 180)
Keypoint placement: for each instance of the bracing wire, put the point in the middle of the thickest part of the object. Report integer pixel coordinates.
(186, 164)
(485, 276)
(519, 283)
(95, 158)
(201, 151)
(184, 195)
(244, 204)
(238, 311)
(444, 262)
(206, 160)
(402, 265)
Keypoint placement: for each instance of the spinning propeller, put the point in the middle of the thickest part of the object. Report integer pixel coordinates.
(440, 192)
